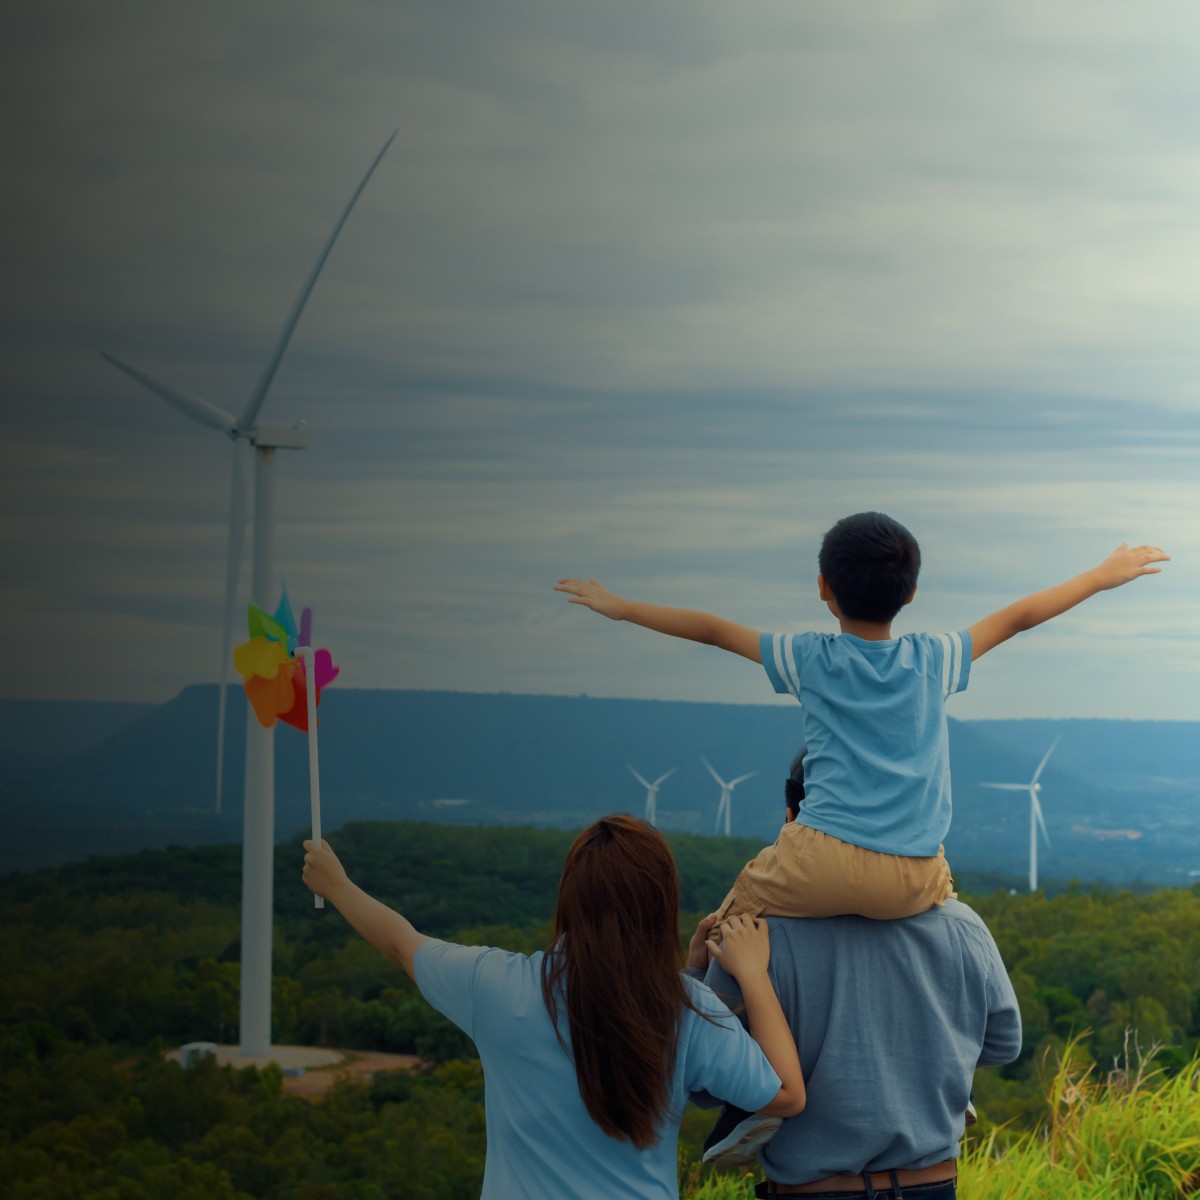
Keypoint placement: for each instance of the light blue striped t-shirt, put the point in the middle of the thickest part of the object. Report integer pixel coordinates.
(877, 772)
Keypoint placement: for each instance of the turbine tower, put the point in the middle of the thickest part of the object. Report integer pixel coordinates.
(1036, 821)
(258, 820)
(652, 793)
(723, 806)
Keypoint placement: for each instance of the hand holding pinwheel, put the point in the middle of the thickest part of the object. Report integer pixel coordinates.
(275, 666)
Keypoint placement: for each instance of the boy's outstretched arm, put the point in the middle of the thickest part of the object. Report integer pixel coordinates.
(1121, 566)
(687, 623)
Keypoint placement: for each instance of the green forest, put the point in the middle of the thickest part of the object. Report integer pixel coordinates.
(111, 961)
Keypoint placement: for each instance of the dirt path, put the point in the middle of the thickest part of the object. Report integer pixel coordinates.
(355, 1064)
(316, 1068)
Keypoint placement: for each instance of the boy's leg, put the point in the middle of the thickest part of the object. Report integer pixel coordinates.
(898, 886)
(804, 874)
(807, 873)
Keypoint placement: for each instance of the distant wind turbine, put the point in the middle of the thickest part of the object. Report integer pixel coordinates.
(1036, 820)
(259, 798)
(652, 793)
(723, 806)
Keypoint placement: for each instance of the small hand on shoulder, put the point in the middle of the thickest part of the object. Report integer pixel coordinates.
(697, 955)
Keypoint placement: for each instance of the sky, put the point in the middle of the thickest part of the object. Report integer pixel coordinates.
(655, 293)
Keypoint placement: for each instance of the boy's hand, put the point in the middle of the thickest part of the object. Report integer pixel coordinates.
(745, 948)
(1121, 566)
(592, 594)
(697, 955)
(1124, 565)
(323, 872)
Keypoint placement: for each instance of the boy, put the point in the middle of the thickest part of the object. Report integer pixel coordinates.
(877, 773)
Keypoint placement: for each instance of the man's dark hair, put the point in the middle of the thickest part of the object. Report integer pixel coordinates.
(870, 563)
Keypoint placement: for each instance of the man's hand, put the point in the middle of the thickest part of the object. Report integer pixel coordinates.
(323, 871)
(592, 594)
(745, 947)
(697, 955)
(1124, 565)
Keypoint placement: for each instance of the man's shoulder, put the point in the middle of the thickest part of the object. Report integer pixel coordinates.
(957, 910)
(958, 921)
(951, 918)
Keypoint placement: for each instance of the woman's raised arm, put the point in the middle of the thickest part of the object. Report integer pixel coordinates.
(386, 930)
(744, 951)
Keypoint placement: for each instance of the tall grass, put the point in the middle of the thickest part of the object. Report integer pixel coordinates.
(1131, 1135)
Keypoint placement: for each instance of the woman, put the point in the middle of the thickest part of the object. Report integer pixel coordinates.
(590, 1049)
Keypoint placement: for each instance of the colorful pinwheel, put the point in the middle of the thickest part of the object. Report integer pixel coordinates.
(275, 666)
(275, 679)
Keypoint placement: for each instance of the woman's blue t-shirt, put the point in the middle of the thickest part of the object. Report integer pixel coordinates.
(541, 1141)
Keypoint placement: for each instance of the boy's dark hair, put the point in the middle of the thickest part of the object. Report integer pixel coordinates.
(870, 563)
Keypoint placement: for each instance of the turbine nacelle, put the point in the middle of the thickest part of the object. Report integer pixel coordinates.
(277, 437)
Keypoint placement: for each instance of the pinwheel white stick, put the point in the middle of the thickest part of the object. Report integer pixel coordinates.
(306, 655)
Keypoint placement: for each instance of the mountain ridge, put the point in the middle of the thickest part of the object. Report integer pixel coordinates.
(560, 761)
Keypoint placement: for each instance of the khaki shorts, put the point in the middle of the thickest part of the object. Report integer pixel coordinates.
(807, 873)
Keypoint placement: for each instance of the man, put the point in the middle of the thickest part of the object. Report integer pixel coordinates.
(890, 1018)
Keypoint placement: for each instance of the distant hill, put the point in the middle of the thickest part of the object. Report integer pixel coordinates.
(560, 761)
(39, 732)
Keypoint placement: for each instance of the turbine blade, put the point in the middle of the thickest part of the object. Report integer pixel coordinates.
(184, 402)
(1045, 759)
(712, 772)
(638, 777)
(1037, 812)
(233, 568)
(260, 392)
(1007, 787)
(658, 782)
(734, 782)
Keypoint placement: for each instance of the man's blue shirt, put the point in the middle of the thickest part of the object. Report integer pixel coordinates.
(891, 1018)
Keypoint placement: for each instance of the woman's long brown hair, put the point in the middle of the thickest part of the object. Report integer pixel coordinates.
(617, 956)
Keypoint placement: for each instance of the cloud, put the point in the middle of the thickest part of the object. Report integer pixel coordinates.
(656, 292)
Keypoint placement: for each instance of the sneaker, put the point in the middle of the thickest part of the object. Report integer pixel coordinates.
(972, 1115)
(742, 1144)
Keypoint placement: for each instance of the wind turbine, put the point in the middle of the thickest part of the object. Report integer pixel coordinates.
(1036, 820)
(652, 793)
(723, 805)
(258, 819)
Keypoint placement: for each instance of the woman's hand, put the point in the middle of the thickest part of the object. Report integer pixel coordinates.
(697, 955)
(323, 872)
(745, 946)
